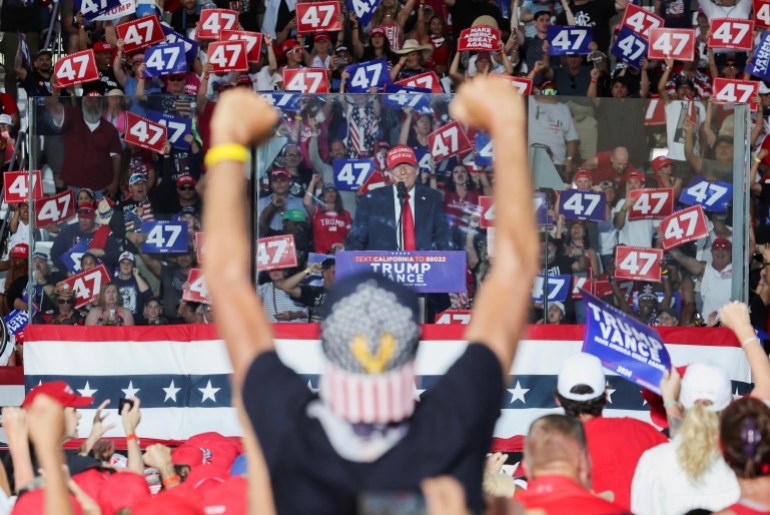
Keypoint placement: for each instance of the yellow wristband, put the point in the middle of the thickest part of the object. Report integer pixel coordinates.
(227, 152)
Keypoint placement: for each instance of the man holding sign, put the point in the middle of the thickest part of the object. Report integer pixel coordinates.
(369, 335)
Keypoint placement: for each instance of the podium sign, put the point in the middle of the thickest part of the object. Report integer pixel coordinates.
(423, 271)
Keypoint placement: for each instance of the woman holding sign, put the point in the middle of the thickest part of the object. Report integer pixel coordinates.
(109, 308)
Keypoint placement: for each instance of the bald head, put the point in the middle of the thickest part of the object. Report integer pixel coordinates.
(556, 444)
(619, 159)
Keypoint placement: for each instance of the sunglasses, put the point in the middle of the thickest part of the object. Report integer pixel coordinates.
(66, 301)
(175, 77)
(186, 188)
(731, 65)
(549, 91)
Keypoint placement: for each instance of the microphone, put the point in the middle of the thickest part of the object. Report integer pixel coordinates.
(401, 190)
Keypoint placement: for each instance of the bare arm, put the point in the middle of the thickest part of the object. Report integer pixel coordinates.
(240, 316)
(500, 311)
(663, 80)
(405, 13)
(694, 266)
(689, 147)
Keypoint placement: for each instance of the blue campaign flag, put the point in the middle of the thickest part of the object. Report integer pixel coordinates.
(288, 102)
(483, 147)
(350, 174)
(165, 237)
(630, 47)
(94, 8)
(16, 321)
(177, 128)
(713, 196)
(399, 97)
(423, 271)
(190, 45)
(569, 40)
(71, 258)
(541, 209)
(165, 59)
(364, 9)
(367, 75)
(583, 205)
(760, 61)
(558, 287)
(626, 346)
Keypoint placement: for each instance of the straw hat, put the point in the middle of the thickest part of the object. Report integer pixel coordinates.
(411, 45)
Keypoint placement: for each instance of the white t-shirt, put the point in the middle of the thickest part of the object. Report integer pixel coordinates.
(741, 10)
(715, 289)
(636, 233)
(551, 125)
(676, 110)
(661, 487)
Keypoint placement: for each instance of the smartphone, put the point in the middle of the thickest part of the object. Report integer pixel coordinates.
(122, 402)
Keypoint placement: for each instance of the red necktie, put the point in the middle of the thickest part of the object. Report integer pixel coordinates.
(407, 224)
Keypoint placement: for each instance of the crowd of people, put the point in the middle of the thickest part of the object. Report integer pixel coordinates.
(588, 113)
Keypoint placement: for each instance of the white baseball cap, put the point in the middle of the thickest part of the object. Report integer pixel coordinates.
(582, 369)
(6, 119)
(706, 382)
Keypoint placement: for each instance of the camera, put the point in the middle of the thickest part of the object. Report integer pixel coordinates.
(122, 402)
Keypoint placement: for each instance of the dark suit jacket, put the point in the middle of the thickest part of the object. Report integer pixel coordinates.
(374, 227)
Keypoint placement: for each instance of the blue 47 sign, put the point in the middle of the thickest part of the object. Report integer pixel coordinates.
(364, 9)
(350, 174)
(399, 97)
(630, 47)
(624, 345)
(177, 128)
(165, 237)
(165, 59)
(367, 75)
(713, 196)
(558, 288)
(190, 46)
(484, 148)
(93, 8)
(583, 205)
(760, 62)
(569, 40)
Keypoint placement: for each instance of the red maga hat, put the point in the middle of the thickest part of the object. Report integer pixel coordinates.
(401, 154)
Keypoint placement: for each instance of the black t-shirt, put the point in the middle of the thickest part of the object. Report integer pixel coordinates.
(595, 14)
(133, 299)
(314, 298)
(16, 290)
(182, 21)
(36, 85)
(449, 433)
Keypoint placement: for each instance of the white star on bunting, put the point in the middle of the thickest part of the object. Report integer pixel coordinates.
(130, 391)
(209, 392)
(171, 392)
(518, 393)
(610, 391)
(87, 391)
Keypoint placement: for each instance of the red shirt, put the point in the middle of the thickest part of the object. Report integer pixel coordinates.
(7, 105)
(556, 495)
(329, 227)
(742, 509)
(605, 172)
(615, 446)
(456, 208)
(87, 162)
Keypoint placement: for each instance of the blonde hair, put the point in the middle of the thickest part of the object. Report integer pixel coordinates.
(699, 445)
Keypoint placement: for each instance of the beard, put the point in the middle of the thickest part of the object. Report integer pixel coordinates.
(92, 114)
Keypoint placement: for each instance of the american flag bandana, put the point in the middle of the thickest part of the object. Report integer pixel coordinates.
(369, 399)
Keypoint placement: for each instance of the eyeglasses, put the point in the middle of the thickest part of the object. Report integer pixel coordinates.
(175, 77)
(66, 301)
(731, 65)
(292, 154)
(186, 188)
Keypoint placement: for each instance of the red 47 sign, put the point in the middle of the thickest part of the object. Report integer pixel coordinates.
(253, 42)
(448, 141)
(581, 283)
(305, 80)
(454, 317)
(427, 80)
(318, 17)
(196, 290)
(16, 186)
(55, 209)
(276, 252)
(640, 20)
(140, 33)
(655, 112)
(212, 21)
(762, 13)
(145, 133)
(487, 219)
(228, 56)
(733, 90)
(638, 263)
(522, 84)
(88, 285)
(676, 44)
(75, 69)
(684, 226)
(651, 204)
(730, 33)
